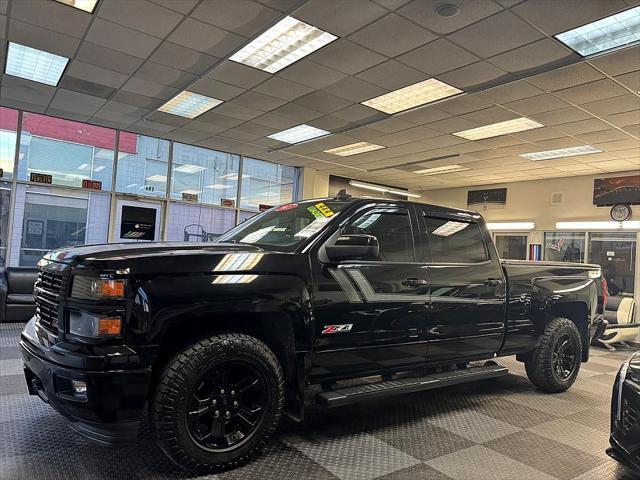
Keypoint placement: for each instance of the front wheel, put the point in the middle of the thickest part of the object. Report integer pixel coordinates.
(217, 402)
(554, 365)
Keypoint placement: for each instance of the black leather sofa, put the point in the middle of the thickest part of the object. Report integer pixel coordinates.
(16, 293)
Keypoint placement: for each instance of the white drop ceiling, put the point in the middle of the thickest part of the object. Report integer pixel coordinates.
(130, 57)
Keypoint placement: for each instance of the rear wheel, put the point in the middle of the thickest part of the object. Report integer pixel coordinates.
(217, 402)
(554, 365)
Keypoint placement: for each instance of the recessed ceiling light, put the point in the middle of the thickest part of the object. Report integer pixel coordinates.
(609, 33)
(189, 168)
(286, 42)
(156, 178)
(189, 104)
(354, 149)
(441, 170)
(34, 64)
(218, 186)
(561, 152)
(449, 228)
(501, 128)
(412, 96)
(299, 134)
(86, 5)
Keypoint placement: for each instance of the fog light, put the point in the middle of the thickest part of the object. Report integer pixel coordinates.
(79, 387)
(84, 324)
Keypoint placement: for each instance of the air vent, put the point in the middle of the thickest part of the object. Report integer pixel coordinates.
(557, 198)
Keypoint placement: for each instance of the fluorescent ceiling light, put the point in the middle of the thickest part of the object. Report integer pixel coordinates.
(34, 64)
(83, 166)
(609, 33)
(441, 170)
(380, 188)
(501, 128)
(412, 96)
(189, 104)
(449, 228)
(286, 42)
(628, 225)
(511, 226)
(218, 186)
(354, 149)
(86, 5)
(561, 152)
(157, 178)
(233, 176)
(189, 168)
(299, 134)
(99, 168)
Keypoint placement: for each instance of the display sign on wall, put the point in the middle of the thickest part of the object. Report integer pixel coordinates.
(91, 184)
(189, 197)
(227, 202)
(40, 178)
(138, 223)
(487, 198)
(614, 190)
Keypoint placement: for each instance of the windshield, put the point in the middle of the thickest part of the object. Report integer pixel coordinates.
(286, 227)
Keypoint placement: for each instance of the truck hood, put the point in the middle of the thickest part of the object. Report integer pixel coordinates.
(128, 251)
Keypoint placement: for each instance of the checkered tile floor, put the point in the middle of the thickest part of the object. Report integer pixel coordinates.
(499, 429)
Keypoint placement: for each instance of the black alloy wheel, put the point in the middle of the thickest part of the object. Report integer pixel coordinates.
(564, 356)
(227, 406)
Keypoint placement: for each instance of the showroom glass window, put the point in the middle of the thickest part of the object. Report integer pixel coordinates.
(615, 252)
(8, 134)
(205, 176)
(5, 212)
(511, 247)
(266, 183)
(197, 223)
(143, 164)
(564, 246)
(68, 151)
(48, 218)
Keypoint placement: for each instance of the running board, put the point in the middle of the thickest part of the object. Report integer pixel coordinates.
(373, 391)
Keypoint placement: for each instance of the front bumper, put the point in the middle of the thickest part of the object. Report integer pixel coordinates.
(115, 400)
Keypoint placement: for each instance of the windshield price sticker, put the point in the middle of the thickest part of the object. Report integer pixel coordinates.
(326, 211)
(315, 212)
(313, 228)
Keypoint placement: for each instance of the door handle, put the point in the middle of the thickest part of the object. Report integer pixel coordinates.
(493, 282)
(414, 282)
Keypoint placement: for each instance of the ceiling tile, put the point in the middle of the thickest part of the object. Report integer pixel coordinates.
(490, 115)
(140, 15)
(463, 104)
(237, 74)
(478, 75)
(164, 75)
(150, 89)
(347, 57)
(259, 101)
(121, 38)
(555, 17)
(499, 33)
(630, 80)
(537, 104)
(419, 133)
(65, 100)
(583, 126)
(359, 113)
(337, 16)
(275, 121)
(611, 106)
(624, 119)
(296, 112)
(52, 16)
(422, 115)
(562, 115)
(541, 55)
(354, 89)
(215, 89)
(331, 123)
(137, 100)
(42, 39)
(182, 58)
(185, 135)
(391, 125)
(392, 75)
(423, 12)
(243, 17)
(323, 102)
(392, 35)
(166, 119)
(438, 57)
(281, 88)
(69, 82)
(206, 38)
(280, 5)
(22, 90)
(95, 74)
(311, 74)
(565, 77)
(590, 92)
(609, 135)
(108, 58)
(237, 111)
(508, 92)
(181, 6)
(618, 62)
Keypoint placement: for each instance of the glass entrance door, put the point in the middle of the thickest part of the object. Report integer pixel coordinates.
(616, 253)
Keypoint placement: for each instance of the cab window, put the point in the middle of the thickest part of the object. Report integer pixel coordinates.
(392, 228)
(455, 241)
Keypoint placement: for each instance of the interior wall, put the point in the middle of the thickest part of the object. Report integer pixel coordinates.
(531, 201)
(315, 184)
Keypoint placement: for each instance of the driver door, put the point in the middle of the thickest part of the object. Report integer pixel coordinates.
(371, 316)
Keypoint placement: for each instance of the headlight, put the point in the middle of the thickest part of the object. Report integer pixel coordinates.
(623, 375)
(85, 324)
(95, 288)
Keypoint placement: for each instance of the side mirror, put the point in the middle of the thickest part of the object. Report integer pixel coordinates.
(353, 247)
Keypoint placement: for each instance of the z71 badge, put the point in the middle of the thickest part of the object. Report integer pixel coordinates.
(344, 328)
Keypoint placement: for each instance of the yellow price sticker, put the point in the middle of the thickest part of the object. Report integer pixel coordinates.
(326, 211)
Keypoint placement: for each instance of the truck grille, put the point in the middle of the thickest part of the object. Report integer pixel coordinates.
(47, 296)
(629, 416)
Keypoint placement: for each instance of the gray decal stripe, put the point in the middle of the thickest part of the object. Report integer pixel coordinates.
(344, 282)
(371, 296)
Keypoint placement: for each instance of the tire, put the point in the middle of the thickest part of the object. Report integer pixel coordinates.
(542, 371)
(181, 411)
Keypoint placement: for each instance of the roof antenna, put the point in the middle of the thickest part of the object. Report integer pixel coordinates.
(342, 195)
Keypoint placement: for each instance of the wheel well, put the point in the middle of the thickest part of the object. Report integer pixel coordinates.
(274, 329)
(577, 313)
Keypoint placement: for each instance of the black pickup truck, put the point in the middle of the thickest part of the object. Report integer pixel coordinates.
(215, 341)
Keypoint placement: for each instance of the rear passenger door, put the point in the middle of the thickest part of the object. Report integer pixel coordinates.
(466, 285)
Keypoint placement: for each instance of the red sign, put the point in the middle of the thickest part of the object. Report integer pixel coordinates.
(263, 208)
(288, 206)
(227, 202)
(91, 184)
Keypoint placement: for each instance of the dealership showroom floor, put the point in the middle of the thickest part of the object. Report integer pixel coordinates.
(178, 120)
(502, 429)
